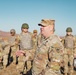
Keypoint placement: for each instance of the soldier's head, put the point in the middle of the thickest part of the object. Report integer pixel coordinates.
(35, 32)
(25, 27)
(69, 31)
(12, 32)
(47, 27)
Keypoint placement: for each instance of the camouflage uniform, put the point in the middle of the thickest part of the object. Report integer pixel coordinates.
(69, 43)
(6, 49)
(49, 54)
(35, 39)
(1, 53)
(48, 57)
(26, 45)
(13, 44)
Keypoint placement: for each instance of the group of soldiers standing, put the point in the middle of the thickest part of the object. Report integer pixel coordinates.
(43, 54)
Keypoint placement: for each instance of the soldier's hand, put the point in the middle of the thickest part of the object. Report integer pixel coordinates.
(27, 56)
(20, 53)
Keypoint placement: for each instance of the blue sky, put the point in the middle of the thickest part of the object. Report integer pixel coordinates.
(13, 13)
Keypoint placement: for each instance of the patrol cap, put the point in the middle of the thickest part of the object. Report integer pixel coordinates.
(25, 25)
(69, 29)
(34, 31)
(12, 30)
(46, 22)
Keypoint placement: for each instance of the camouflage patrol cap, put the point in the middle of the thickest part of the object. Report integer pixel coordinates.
(25, 25)
(34, 31)
(46, 22)
(12, 30)
(69, 29)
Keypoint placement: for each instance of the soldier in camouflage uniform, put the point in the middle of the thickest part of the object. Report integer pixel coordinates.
(1, 52)
(35, 39)
(69, 44)
(26, 44)
(6, 49)
(49, 54)
(13, 44)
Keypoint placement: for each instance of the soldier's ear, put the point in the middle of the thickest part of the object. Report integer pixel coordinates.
(51, 28)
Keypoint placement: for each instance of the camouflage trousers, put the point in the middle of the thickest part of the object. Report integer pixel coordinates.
(20, 65)
(24, 65)
(5, 55)
(14, 57)
(68, 62)
(5, 60)
(28, 64)
(13, 51)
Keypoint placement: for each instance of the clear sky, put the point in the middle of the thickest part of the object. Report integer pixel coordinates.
(13, 13)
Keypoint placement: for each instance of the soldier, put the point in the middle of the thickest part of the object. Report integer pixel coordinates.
(26, 45)
(49, 54)
(6, 49)
(69, 44)
(1, 51)
(35, 39)
(13, 44)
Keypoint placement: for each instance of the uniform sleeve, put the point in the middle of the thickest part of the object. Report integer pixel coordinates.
(16, 42)
(75, 41)
(63, 41)
(74, 50)
(58, 48)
